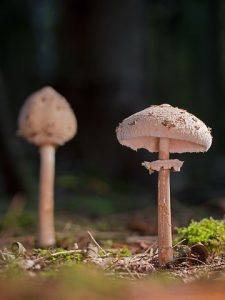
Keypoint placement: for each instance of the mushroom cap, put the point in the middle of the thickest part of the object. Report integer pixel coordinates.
(46, 118)
(143, 130)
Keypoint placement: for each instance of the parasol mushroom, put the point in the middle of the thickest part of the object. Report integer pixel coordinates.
(164, 129)
(46, 120)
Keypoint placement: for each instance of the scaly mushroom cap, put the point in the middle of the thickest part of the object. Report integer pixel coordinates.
(46, 118)
(143, 130)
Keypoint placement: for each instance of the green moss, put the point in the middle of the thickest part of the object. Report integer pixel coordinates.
(59, 256)
(209, 232)
(41, 252)
(120, 252)
(124, 252)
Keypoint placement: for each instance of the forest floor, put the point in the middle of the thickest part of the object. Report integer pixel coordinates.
(103, 259)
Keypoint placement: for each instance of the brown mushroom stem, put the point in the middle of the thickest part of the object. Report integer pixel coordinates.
(164, 212)
(46, 231)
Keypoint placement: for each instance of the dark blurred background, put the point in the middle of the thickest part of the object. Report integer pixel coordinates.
(111, 59)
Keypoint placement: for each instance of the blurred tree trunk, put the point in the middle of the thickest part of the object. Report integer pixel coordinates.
(102, 46)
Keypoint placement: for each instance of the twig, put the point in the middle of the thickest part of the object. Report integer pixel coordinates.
(66, 252)
(132, 274)
(191, 258)
(151, 247)
(180, 242)
(96, 243)
(112, 264)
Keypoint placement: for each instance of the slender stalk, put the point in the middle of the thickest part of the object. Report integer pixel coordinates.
(164, 211)
(46, 230)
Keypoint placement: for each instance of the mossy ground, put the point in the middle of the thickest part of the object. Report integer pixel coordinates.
(66, 271)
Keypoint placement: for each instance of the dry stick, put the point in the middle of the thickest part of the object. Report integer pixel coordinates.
(112, 264)
(46, 230)
(96, 243)
(164, 212)
(129, 271)
(191, 258)
(178, 243)
(140, 275)
(151, 247)
(67, 252)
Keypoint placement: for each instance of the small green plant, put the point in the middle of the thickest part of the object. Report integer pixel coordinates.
(124, 252)
(59, 256)
(119, 252)
(208, 231)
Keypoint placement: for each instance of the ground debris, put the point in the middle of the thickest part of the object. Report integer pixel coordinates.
(133, 266)
(115, 262)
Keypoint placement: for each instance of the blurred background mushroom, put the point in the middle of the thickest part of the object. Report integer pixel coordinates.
(46, 120)
(111, 58)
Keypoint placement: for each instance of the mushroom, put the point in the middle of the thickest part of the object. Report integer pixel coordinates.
(164, 129)
(46, 120)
